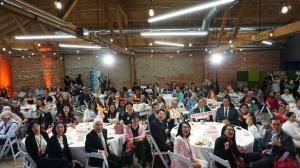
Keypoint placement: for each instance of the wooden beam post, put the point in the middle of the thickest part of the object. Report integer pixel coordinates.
(239, 21)
(120, 27)
(223, 24)
(132, 69)
(109, 19)
(123, 13)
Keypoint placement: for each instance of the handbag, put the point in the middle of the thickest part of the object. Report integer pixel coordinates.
(119, 128)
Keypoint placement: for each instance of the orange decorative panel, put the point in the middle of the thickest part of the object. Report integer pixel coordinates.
(47, 64)
(6, 74)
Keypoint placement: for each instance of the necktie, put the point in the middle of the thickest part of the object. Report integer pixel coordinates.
(226, 110)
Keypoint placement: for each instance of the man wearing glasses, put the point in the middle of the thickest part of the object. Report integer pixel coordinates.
(275, 143)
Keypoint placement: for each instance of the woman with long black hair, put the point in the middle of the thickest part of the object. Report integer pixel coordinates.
(226, 148)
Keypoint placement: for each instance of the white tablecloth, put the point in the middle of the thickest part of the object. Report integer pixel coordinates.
(29, 111)
(244, 138)
(142, 108)
(168, 98)
(76, 139)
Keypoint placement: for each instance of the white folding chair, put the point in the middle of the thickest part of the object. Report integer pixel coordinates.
(8, 145)
(187, 161)
(28, 162)
(159, 153)
(97, 156)
(214, 158)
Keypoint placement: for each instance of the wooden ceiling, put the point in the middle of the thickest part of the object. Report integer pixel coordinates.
(133, 14)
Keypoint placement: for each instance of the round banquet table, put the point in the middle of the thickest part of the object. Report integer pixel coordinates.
(76, 140)
(208, 132)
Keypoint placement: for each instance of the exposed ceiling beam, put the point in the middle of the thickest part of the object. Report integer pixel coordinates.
(23, 29)
(14, 28)
(120, 27)
(26, 9)
(3, 18)
(109, 19)
(265, 35)
(45, 31)
(240, 18)
(67, 9)
(122, 11)
(223, 24)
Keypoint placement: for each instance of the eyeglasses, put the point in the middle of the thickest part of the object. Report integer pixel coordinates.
(230, 129)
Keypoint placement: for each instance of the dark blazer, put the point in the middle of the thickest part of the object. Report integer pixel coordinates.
(92, 142)
(151, 117)
(232, 115)
(45, 119)
(31, 145)
(286, 141)
(159, 134)
(55, 150)
(206, 108)
(220, 151)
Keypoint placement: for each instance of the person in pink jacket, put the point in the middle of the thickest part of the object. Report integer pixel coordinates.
(136, 142)
(182, 147)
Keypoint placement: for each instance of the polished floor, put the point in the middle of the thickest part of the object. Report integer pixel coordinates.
(8, 162)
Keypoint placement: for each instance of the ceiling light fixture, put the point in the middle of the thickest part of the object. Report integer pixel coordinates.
(79, 46)
(189, 10)
(20, 49)
(191, 33)
(285, 8)
(169, 44)
(151, 10)
(44, 37)
(58, 4)
(267, 42)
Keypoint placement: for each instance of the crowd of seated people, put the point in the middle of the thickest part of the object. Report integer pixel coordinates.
(281, 97)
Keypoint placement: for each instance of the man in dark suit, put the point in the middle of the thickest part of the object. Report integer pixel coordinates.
(159, 130)
(202, 107)
(152, 116)
(226, 113)
(275, 144)
(96, 141)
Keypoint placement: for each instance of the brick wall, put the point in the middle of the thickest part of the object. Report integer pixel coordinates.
(29, 72)
(181, 67)
(259, 60)
(164, 68)
(159, 68)
(118, 72)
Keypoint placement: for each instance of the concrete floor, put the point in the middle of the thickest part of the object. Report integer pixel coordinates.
(8, 162)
